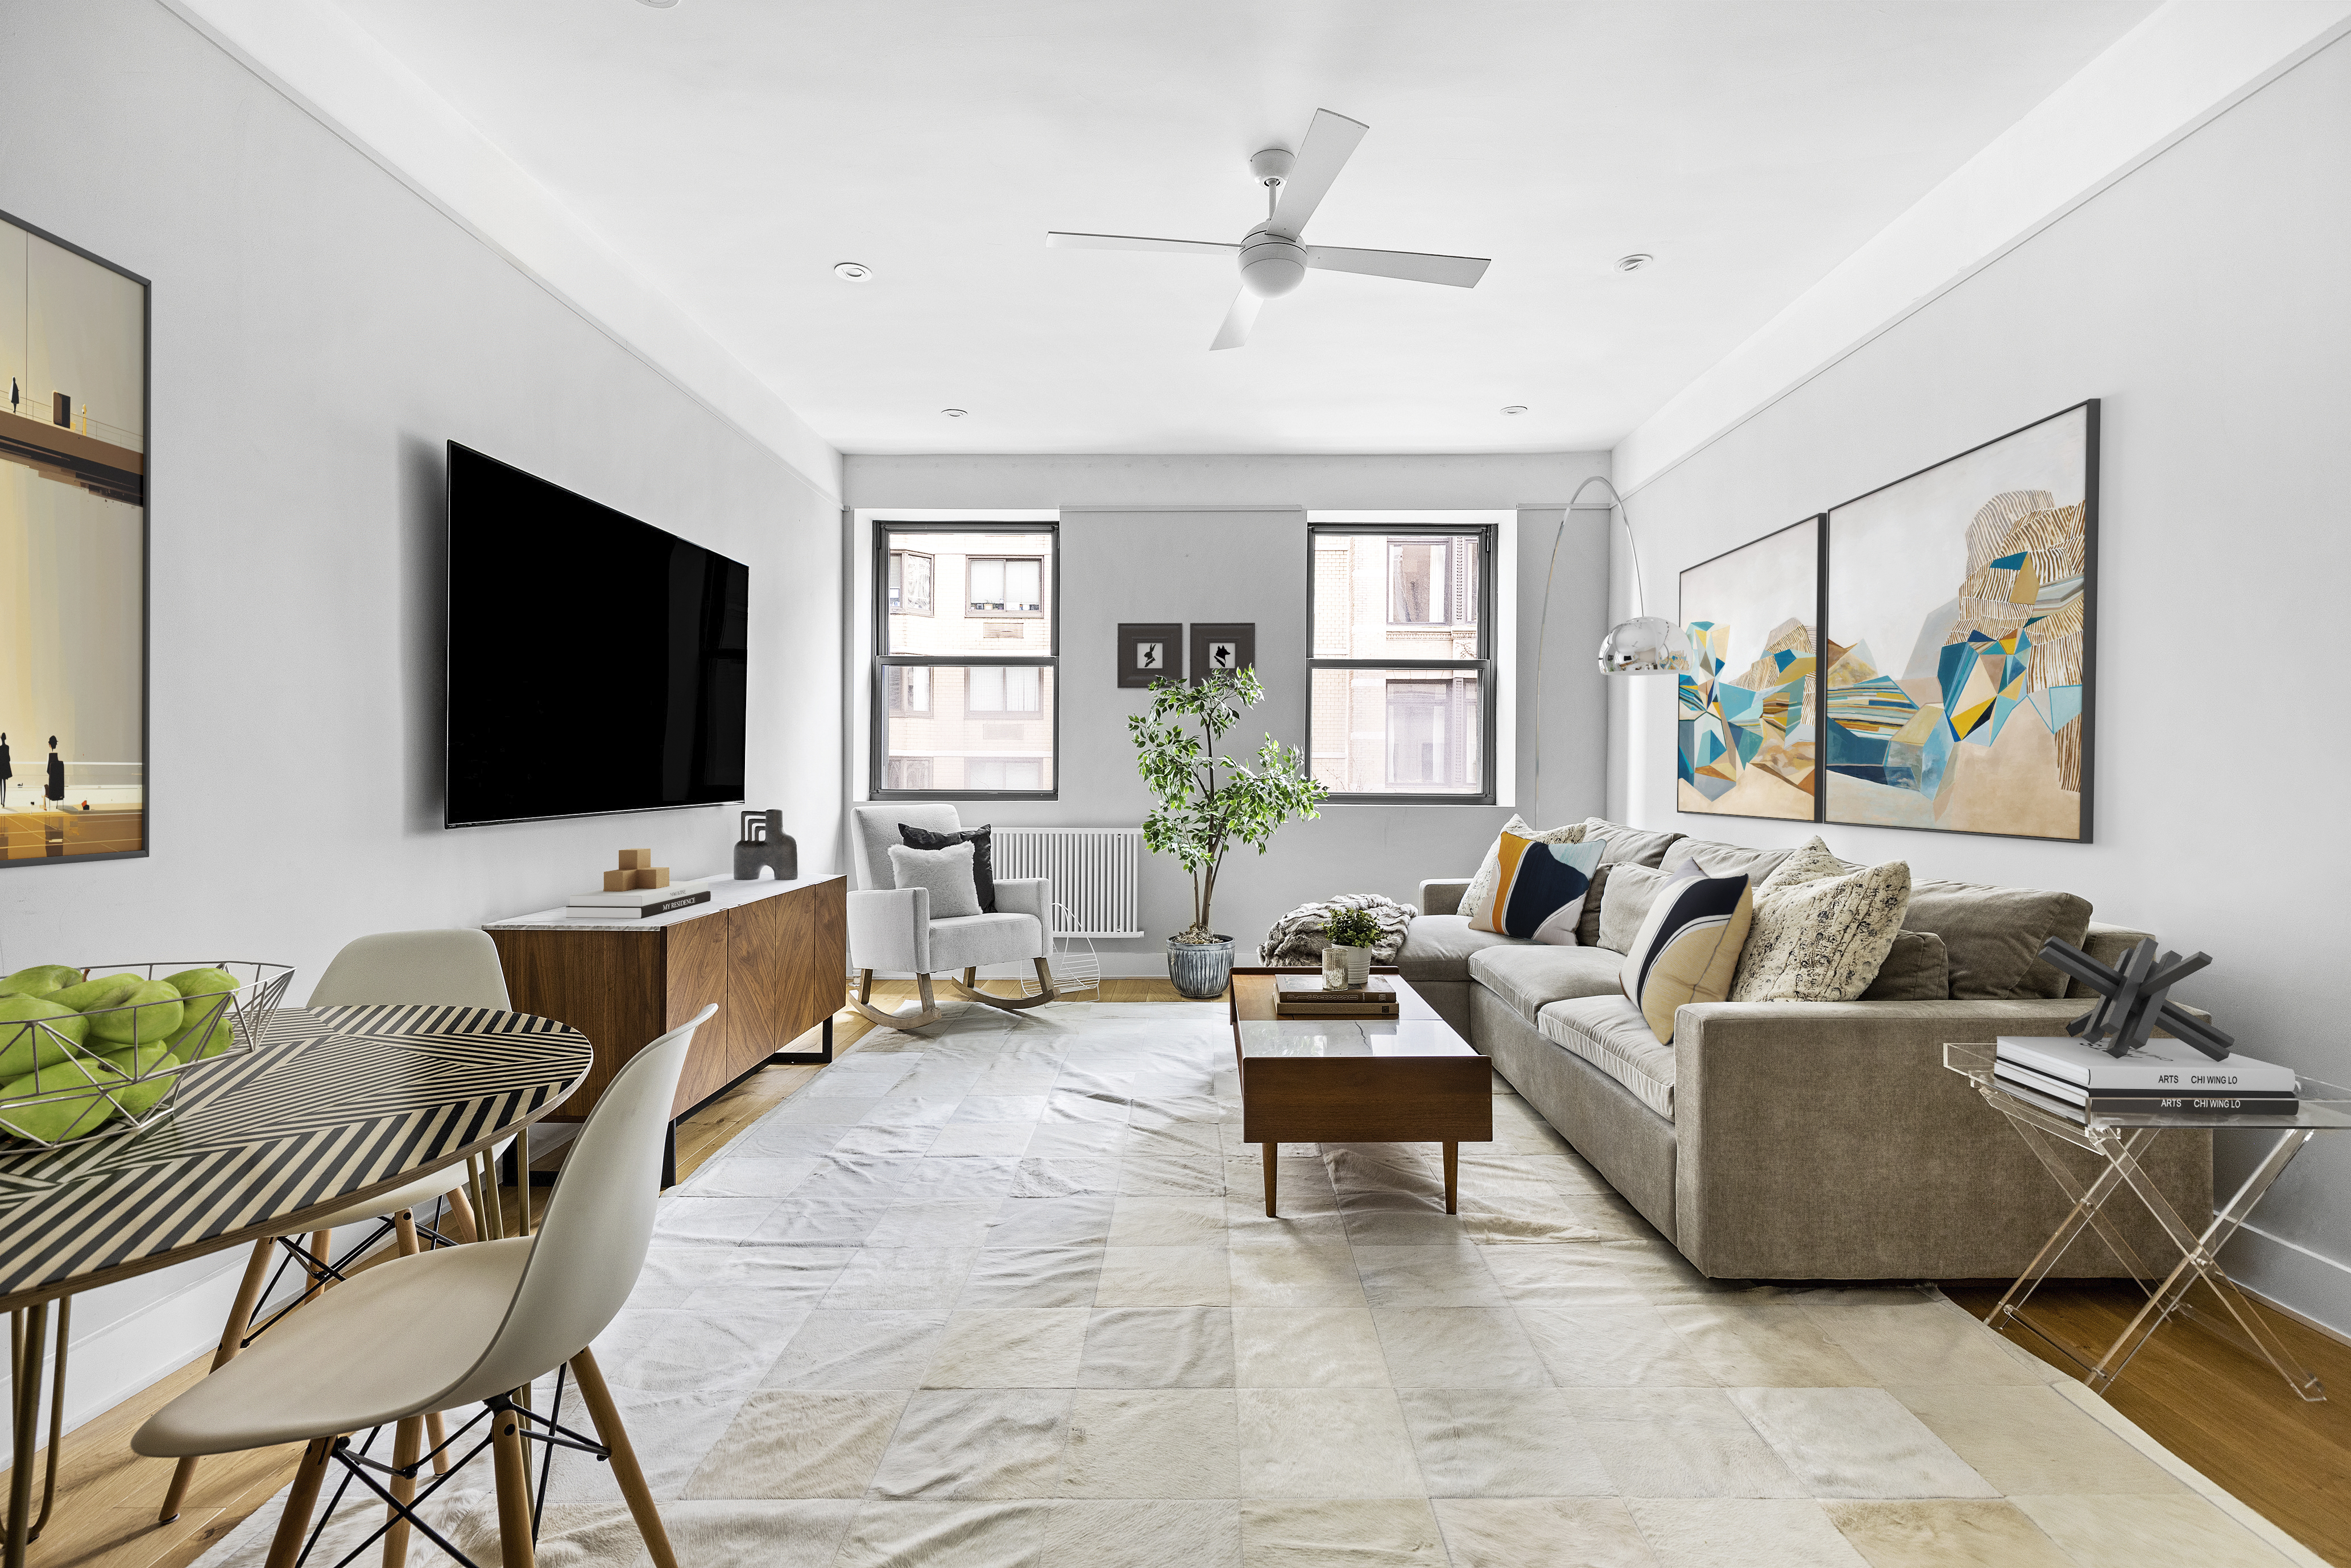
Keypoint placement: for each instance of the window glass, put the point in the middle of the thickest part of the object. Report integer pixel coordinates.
(1005, 581)
(1396, 596)
(974, 719)
(943, 723)
(1407, 731)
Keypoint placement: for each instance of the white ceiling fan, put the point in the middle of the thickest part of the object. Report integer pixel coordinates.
(1273, 257)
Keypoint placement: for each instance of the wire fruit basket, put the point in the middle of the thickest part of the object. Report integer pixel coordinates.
(104, 1051)
(1074, 970)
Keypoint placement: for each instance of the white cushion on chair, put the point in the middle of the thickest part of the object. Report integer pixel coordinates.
(946, 873)
(985, 939)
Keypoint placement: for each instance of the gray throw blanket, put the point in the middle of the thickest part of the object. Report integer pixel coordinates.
(1300, 937)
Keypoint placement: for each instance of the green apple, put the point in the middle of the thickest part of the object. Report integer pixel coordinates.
(204, 982)
(151, 1011)
(197, 1041)
(105, 991)
(137, 1097)
(68, 1115)
(40, 981)
(24, 1046)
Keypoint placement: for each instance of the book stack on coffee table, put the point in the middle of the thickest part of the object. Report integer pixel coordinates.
(1303, 996)
(2164, 1077)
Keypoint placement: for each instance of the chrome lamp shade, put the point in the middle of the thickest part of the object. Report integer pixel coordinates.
(1644, 646)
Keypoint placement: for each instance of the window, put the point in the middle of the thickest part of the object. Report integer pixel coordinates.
(910, 584)
(964, 703)
(909, 686)
(1000, 688)
(1007, 585)
(1401, 670)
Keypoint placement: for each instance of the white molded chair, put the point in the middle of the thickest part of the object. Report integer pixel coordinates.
(460, 1326)
(890, 927)
(456, 968)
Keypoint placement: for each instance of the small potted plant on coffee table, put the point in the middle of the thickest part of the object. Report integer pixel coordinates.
(1208, 803)
(1350, 937)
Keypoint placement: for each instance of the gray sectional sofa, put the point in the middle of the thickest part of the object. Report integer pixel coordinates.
(1791, 1140)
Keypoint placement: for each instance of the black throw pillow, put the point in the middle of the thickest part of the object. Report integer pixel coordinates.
(983, 868)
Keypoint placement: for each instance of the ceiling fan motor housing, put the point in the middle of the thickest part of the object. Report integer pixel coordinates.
(1272, 263)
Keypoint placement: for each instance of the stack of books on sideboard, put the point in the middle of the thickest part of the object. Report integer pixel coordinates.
(1305, 997)
(2161, 1078)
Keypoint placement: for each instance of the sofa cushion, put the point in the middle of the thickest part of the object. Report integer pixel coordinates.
(1689, 948)
(1437, 948)
(1532, 975)
(1541, 891)
(1610, 1033)
(1633, 845)
(1714, 859)
(1823, 941)
(1489, 870)
(1993, 935)
(1916, 969)
(1625, 902)
(1808, 862)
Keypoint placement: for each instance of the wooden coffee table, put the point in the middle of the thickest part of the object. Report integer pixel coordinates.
(1409, 1080)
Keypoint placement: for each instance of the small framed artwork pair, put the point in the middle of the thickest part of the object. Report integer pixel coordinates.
(1153, 650)
(1920, 656)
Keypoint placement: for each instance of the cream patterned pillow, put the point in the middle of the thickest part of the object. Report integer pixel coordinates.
(1823, 940)
(1490, 873)
(1810, 863)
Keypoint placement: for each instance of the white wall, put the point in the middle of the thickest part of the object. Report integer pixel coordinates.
(319, 332)
(1223, 539)
(2203, 297)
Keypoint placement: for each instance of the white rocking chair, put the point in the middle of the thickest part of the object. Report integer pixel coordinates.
(891, 928)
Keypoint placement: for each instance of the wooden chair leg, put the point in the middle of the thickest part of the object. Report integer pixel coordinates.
(971, 978)
(461, 1214)
(514, 1490)
(615, 1437)
(240, 1318)
(407, 1443)
(864, 986)
(437, 1431)
(922, 990)
(295, 1522)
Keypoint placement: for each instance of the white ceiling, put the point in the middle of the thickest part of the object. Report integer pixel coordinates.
(732, 151)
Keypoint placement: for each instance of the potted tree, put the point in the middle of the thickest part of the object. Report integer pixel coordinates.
(1208, 803)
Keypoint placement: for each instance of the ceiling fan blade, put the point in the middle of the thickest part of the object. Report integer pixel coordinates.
(1457, 271)
(1238, 321)
(1136, 242)
(1330, 141)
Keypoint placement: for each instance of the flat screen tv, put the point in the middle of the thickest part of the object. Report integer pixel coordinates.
(595, 664)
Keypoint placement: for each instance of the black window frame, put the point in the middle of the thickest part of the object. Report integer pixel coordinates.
(878, 737)
(1484, 663)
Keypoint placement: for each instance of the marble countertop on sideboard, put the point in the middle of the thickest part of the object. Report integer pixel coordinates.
(726, 892)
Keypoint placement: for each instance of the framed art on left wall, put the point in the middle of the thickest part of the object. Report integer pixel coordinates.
(73, 552)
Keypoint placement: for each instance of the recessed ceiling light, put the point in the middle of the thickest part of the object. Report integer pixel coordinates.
(658, 4)
(1635, 262)
(955, 412)
(851, 270)
(1516, 408)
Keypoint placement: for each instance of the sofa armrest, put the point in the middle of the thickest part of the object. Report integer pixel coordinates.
(1442, 896)
(890, 928)
(1029, 895)
(1828, 1141)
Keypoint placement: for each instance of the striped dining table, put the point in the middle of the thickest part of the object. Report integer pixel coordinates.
(330, 1105)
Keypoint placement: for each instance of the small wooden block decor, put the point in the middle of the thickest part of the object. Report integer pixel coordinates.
(1219, 645)
(651, 876)
(619, 880)
(636, 860)
(1150, 650)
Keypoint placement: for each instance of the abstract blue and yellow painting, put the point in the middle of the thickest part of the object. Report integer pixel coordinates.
(1956, 626)
(1749, 711)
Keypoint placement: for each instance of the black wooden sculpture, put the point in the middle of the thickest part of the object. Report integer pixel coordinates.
(2133, 1002)
(765, 843)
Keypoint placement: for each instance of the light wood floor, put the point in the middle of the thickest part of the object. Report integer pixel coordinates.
(2229, 1417)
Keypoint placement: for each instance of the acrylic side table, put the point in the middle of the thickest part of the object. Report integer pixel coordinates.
(2120, 1139)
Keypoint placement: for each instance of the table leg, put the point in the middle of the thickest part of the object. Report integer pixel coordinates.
(56, 1419)
(29, 1331)
(1452, 1177)
(1273, 1174)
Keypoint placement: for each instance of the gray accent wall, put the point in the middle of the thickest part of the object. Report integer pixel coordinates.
(2202, 299)
(1206, 538)
(320, 331)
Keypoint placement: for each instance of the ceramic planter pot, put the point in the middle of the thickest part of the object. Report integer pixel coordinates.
(1203, 971)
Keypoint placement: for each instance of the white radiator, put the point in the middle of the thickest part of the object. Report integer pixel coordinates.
(1096, 874)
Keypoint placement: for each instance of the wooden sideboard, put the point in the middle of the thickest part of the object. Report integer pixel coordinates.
(774, 955)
